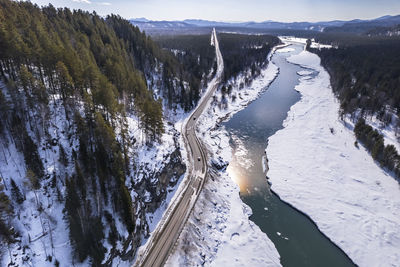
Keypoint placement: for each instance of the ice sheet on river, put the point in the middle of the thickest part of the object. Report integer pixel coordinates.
(315, 166)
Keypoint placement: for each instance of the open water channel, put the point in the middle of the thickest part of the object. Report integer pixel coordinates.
(296, 237)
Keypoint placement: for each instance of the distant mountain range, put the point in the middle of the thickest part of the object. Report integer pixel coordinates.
(364, 26)
(354, 26)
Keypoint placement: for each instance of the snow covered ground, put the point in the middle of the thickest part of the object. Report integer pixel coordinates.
(291, 39)
(219, 231)
(315, 166)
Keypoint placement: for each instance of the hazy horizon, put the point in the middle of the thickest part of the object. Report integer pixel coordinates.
(238, 11)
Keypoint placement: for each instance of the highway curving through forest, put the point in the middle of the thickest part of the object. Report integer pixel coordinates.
(164, 237)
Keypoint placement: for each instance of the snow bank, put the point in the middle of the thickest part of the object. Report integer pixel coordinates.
(285, 50)
(315, 166)
(219, 231)
(304, 72)
(242, 95)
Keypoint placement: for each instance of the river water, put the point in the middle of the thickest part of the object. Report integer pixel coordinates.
(296, 237)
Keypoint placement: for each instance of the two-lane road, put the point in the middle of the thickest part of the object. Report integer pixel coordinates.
(168, 230)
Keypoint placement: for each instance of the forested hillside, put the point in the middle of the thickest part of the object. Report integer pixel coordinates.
(242, 52)
(364, 26)
(385, 31)
(195, 53)
(86, 149)
(365, 75)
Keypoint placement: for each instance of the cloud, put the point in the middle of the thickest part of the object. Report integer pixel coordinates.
(82, 1)
(104, 4)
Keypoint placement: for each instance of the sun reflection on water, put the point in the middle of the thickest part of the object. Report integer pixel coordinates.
(237, 175)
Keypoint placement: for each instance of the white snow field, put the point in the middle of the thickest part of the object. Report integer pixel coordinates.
(219, 232)
(315, 166)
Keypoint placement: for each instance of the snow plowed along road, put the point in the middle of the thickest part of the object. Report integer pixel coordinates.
(167, 232)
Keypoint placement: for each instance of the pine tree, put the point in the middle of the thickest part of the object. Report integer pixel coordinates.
(5, 213)
(65, 81)
(63, 157)
(72, 206)
(32, 158)
(16, 193)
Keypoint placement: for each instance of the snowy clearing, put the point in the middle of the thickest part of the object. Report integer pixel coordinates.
(315, 166)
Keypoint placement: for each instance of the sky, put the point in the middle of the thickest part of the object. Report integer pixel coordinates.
(234, 10)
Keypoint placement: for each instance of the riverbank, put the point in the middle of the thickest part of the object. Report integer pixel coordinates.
(314, 166)
(219, 231)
